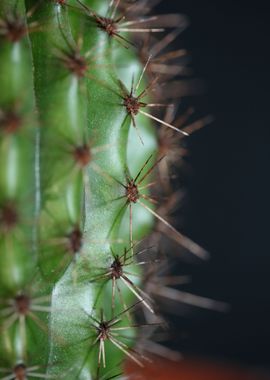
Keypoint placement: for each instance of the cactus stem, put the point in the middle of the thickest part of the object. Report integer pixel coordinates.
(67, 154)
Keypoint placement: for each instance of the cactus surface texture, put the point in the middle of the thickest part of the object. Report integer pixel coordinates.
(80, 154)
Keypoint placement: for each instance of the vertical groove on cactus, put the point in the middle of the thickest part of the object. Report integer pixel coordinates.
(18, 127)
(79, 152)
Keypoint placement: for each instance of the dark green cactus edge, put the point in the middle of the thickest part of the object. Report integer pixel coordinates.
(66, 191)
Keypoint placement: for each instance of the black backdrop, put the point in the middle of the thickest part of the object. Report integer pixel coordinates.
(228, 208)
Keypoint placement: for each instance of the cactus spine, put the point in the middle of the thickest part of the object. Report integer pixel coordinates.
(76, 163)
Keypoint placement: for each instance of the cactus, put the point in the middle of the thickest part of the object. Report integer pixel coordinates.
(78, 151)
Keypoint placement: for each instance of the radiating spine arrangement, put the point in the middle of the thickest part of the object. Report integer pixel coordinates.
(78, 159)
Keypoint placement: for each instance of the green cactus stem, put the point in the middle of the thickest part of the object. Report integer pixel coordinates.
(78, 152)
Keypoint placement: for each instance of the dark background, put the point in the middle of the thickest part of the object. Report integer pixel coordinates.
(228, 207)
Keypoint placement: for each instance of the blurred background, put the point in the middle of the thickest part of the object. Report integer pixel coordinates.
(227, 209)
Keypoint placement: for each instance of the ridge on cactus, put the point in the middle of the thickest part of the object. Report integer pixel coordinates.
(78, 159)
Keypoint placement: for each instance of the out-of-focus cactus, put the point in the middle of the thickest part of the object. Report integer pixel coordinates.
(77, 158)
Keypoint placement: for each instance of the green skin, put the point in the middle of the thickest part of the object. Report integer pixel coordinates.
(64, 193)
